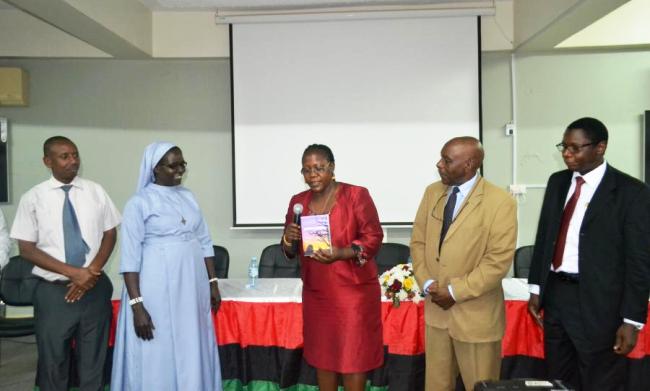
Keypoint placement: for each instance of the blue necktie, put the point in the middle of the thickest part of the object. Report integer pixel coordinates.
(448, 215)
(75, 246)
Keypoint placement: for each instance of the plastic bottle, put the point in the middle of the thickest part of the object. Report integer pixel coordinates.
(253, 272)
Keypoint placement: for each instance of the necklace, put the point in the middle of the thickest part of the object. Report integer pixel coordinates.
(327, 200)
(173, 198)
(177, 210)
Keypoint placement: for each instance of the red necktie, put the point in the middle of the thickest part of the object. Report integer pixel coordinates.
(564, 225)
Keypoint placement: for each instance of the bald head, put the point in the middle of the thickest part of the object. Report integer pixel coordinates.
(460, 158)
(470, 147)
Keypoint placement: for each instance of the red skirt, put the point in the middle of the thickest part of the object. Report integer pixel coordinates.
(342, 328)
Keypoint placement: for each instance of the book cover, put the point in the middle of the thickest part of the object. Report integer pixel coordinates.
(315, 234)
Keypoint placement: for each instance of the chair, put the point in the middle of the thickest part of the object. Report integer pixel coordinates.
(17, 284)
(523, 257)
(274, 264)
(221, 261)
(391, 254)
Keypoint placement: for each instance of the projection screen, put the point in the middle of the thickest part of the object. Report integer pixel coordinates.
(385, 95)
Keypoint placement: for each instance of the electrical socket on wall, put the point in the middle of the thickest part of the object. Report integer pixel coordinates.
(517, 189)
(4, 127)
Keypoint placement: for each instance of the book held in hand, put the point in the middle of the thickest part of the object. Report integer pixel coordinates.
(315, 234)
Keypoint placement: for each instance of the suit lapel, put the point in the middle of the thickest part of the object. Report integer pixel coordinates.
(470, 203)
(560, 200)
(601, 197)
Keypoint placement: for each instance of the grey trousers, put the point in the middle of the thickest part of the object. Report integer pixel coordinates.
(58, 323)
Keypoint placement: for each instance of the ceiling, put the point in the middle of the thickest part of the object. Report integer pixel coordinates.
(127, 31)
(213, 5)
(627, 25)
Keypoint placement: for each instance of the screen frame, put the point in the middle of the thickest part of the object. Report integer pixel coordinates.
(235, 224)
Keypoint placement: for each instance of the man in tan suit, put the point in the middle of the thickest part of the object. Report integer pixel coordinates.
(462, 246)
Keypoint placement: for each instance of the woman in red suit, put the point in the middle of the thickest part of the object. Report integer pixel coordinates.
(341, 295)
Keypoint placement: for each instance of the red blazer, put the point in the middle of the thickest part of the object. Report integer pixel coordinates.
(353, 217)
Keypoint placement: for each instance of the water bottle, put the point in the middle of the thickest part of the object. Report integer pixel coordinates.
(253, 272)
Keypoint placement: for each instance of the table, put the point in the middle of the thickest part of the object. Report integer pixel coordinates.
(260, 340)
(259, 332)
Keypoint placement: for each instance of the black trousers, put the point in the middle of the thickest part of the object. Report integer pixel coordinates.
(86, 321)
(570, 354)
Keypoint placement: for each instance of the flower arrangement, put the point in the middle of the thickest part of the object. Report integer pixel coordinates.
(399, 284)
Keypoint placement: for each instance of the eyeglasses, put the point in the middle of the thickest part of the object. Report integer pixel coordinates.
(314, 170)
(175, 166)
(572, 148)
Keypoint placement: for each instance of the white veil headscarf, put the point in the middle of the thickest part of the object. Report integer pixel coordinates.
(152, 155)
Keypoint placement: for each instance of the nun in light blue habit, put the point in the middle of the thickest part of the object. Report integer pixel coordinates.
(165, 337)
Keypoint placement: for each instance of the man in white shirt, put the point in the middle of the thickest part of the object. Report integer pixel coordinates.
(66, 226)
(5, 242)
(591, 263)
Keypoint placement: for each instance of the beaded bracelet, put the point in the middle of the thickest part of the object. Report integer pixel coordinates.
(136, 300)
(213, 280)
(359, 252)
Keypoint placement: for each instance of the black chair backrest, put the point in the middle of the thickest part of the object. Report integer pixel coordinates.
(523, 257)
(391, 254)
(16, 327)
(274, 264)
(17, 283)
(221, 261)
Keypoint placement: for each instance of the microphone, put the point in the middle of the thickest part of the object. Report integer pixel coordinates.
(297, 211)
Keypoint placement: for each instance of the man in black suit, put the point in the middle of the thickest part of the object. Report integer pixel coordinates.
(591, 264)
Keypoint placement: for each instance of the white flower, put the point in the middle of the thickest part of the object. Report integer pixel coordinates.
(400, 273)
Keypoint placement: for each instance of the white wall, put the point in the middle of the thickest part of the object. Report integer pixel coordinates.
(552, 91)
(113, 108)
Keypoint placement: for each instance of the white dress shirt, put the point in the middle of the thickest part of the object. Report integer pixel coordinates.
(39, 218)
(592, 180)
(570, 256)
(463, 192)
(5, 243)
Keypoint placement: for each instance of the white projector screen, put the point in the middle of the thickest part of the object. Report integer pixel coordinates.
(385, 95)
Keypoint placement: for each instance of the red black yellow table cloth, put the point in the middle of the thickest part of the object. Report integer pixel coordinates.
(260, 343)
